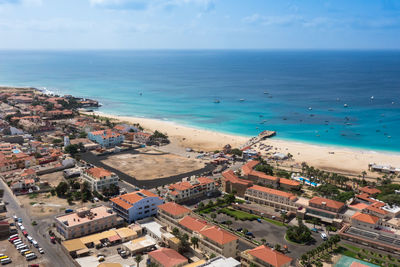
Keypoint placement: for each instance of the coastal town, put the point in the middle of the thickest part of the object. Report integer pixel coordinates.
(79, 188)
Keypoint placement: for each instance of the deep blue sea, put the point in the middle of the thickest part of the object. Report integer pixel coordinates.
(300, 94)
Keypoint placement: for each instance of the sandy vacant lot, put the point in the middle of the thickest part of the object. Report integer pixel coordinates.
(149, 166)
(43, 205)
(53, 178)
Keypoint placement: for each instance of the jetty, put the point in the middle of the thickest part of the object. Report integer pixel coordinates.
(260, 137)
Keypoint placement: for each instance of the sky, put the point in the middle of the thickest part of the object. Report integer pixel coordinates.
(199, 24)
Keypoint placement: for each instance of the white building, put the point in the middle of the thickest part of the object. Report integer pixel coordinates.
(99, 178)
(106, 138)
(136, 205)
(194, 188)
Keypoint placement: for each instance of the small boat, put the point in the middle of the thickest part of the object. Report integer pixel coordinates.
(309, 108)
(345, 105)
(140, 94)
(265, 93)
(338, 99)
(389, 136)
(261, 116)
(392, 103)
(372, 97)
(241, 100)
(217, 101)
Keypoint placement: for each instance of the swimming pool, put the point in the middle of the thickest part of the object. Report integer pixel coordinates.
(347, 261)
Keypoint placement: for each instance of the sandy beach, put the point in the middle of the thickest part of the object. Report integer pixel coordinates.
(345, 160)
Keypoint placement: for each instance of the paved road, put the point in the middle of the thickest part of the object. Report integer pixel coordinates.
(53, 252)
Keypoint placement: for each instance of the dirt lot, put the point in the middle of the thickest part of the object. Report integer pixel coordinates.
(153, 164)
(43, 205)
(18, 260)
(53, 178)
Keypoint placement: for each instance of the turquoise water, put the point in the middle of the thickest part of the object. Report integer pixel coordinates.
(305, 101)
(346, 261)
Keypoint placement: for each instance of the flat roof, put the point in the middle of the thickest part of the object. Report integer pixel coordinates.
(153, 227)
(72, 219)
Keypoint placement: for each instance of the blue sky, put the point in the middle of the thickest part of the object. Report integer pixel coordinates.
(199, 24)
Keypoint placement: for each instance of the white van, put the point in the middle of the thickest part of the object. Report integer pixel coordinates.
(5, 261)
(324, 236)
(35, 243)
(22, 228)
(30, 256)
(29, 238)
(19, 225)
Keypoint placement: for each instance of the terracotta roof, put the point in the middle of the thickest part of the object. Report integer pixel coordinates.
(359, 206)
(126, 201)
(205, 180)
(167, 257)
(193, 223)
(262, 175)
(362, 217)
(174, 209)
(98, 172)
(272, 257)
(289, 182)
(376, 209)
(230, 176)
(370, 190)
(218, 235)
(121, 203)
(248, 167)
(328, 202)
(272, 191)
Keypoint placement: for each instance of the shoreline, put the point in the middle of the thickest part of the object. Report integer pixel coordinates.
(346, 159)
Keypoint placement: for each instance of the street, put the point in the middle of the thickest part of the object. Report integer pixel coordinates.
(53, 252)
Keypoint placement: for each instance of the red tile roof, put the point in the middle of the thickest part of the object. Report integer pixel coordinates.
(174, 209)
(326, 201)
(272, 257)
(127, 201)
(167, 257)
(98, 172)
(248, 167)
(289, 182)
(370, 190)
(218, 235)
(376, 209)
(231, 177)
(193, 223)
(272, 191)
(366, 218)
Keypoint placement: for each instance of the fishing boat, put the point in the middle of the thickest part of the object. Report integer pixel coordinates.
(241, 100)
(265, 93)
(217, 101)
(372, 97)
(345, 105)
(310, 108)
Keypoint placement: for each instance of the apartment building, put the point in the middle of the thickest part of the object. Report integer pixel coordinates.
(258, 177)
(86, 221)
(264, 256)
(170, 212)
(365, 221)
(99, 178)
(231, 183)
(166, 257)
(213, 240)
(106, 138)
(194, 188)
(136, 205)
(325, 209)
(271, 197)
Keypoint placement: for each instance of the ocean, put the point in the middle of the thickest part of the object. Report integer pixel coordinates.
(340, 98)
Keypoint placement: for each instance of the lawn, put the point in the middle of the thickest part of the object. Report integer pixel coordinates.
(356, 249)
(238, 215)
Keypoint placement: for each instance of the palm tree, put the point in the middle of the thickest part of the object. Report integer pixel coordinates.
(138, 259)
(175, 231)
(195, 241)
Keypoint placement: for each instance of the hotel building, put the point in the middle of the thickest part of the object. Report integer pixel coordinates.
(99, 178)
(136, 205)
(264, 256)
(106, 138)
(191, 189)
(86, 221)
(271, 197)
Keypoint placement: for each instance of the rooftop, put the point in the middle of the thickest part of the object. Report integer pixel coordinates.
(366, 218)
(85, 216)
(273, 191)
(218, 235)
(174, 209)
(327, 202)
(193, 223)
(98, 173)
(270, 256)
(167, 257)
(127, 201)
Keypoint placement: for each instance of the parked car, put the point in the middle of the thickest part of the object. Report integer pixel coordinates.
(41, 251)
(259, 220)
(239, 229)
(25, 233)
(314, 230)
(53, 239)
(324, 236)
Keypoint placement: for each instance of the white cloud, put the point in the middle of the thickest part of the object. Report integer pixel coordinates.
(273, 20)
